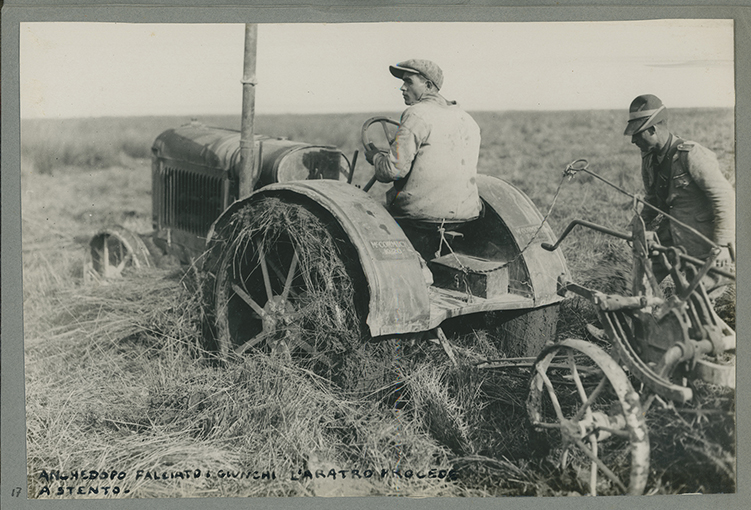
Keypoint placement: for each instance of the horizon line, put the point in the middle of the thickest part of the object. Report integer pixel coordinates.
(369, 112)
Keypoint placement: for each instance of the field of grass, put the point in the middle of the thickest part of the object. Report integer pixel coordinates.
(117, 378)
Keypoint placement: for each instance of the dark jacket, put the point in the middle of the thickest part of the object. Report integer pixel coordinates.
(694, 191)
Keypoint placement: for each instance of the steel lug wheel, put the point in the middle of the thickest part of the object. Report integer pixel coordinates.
(585, 406)
(112, 252)
(283, 285)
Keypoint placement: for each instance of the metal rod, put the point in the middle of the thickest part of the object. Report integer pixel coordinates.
(588, 224)
(249, 172)
(352, 168)
(689, 228)
(620, 235)
(696, 262)
(370, 183)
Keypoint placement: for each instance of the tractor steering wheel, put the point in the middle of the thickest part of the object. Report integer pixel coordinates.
(390, 134)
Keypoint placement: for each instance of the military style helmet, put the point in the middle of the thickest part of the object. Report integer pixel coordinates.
(645, 111)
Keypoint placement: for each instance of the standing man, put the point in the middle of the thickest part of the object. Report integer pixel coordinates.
(683, 179)
(433, 159)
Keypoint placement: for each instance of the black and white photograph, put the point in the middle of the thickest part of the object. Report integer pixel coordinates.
(421, 259)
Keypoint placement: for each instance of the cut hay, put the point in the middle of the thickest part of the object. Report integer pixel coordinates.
(120, 382)
(329, 292)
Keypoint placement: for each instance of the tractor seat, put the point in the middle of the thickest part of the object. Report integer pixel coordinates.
(429, 237)
(434, 225)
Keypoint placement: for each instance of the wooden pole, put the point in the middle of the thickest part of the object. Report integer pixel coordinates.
(249, 171)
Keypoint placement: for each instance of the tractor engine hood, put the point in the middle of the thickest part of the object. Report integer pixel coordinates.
(217, 151)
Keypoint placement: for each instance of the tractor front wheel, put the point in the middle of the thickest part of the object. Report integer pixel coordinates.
(112, 252)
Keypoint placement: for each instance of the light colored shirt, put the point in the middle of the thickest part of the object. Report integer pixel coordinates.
(433, 163)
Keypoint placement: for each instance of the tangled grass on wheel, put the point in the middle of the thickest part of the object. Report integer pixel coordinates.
(311, 290)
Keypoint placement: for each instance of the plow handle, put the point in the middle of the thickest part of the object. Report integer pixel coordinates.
(626, 237)
(697, 262)
(593, 226)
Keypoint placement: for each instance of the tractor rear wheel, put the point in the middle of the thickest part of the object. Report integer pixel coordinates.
(287, 282)
(513, 333)
(525, 333)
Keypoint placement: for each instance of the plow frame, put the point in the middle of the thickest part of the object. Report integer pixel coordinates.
(663, 341)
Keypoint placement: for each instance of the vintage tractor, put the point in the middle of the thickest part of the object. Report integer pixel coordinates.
(298, 259)
(581, 397)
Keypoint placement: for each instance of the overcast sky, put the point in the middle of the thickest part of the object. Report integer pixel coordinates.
(115, 69)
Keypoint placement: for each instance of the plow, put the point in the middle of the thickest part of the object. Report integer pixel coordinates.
(584, 396)
(296, 260)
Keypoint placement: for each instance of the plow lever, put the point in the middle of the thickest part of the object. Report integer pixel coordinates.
(697, 262)
(607, 302)
(593, 226)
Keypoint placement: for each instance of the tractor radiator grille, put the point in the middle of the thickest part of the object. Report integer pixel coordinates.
(188, 200)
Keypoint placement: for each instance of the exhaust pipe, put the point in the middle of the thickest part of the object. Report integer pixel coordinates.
(248, 170)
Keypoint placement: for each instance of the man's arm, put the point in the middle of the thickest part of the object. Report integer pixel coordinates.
(647, 213)
(705, 171)
(397, 163)
(412, 133)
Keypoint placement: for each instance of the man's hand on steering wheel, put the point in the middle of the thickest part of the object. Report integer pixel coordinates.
(389, 127)
(370, 152)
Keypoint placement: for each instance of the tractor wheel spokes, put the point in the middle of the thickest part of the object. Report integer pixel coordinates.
(588, 412)
(593, 468)
(124, 261)
(592, 397)
(546, 425)
(112, 251)
(265, 271)
(249, 300)
(239, 350)
(551, 392)
(280, 274)
(577, 379)
(101, 270)
(613, 432)
(290, 277)
(596, 461)
(105, 259)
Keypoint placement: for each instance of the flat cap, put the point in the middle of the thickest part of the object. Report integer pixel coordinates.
(645, 111)
(429, 70)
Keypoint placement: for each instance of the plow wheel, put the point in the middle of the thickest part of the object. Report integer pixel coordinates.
(114, 251)
(582, 403)
(285, 281)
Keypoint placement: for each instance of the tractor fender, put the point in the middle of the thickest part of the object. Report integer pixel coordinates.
(399, 299)
(523, 220)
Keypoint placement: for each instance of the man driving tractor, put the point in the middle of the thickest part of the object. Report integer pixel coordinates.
(433, 159)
